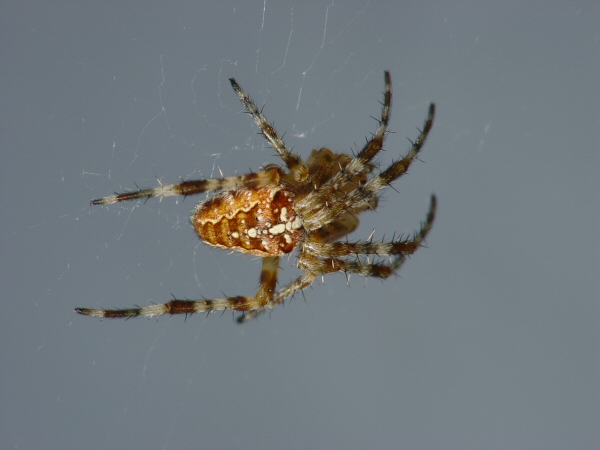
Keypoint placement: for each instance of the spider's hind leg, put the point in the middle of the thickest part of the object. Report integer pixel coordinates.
(266, 290)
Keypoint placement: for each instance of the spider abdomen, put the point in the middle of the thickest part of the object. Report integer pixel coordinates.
(261, 221)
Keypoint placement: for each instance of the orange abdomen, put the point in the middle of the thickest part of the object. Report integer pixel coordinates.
(261, 221)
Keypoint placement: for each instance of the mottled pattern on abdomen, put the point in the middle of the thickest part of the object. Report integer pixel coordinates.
(261, 221)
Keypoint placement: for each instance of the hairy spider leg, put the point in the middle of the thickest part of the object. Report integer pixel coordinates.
(299, 284)
(324, 258)
(398, 247)
(193, 187)
(266, 290)
(375, 144)
(323, 164)
(343, 225)
(293, 162)
(315, 215)
(360, 161)
(418, 237)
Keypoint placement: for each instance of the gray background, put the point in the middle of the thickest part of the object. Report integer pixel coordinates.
(488, 339)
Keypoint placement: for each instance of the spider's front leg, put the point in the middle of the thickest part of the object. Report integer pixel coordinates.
(266, 291)
(324, 257)
(315, 216)
(293, 162)
(191, 187)
(310, 205)
(317, 247)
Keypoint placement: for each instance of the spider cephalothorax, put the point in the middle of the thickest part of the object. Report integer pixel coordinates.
(273, 212)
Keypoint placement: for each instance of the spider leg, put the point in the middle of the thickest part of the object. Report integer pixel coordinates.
(300, 283)
(321, 249)
(330, 265)
(358, 164)
(293, 162)
(343, 225)
(315, 217)
(266, 290)
(400, 167)
(375, 144)
(324, 258)
(192, 187)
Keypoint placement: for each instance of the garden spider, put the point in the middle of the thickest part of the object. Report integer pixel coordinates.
(273, 212)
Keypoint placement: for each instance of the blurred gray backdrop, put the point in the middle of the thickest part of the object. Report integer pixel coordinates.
(488, 338)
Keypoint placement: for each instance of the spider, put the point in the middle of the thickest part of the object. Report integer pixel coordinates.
(273, 212)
